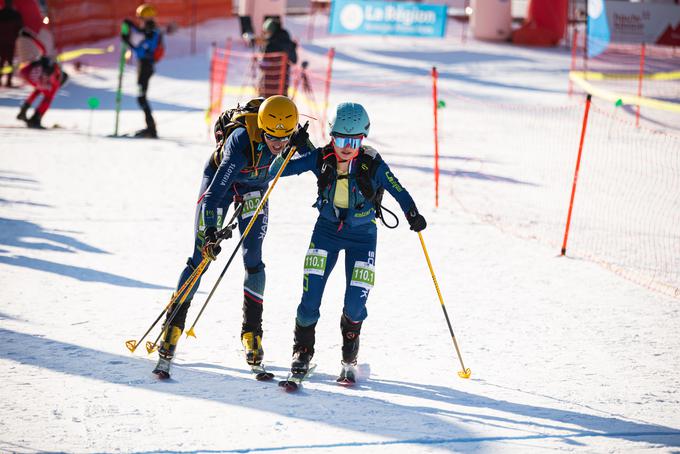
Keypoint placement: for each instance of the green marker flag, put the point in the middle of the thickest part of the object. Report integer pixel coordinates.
(441, 104)
(92, 103)
(124, 30)
(619, 102)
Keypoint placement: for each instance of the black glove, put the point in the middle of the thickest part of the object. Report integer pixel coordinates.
(415, 219)
(211, 248)
(125, 31)
(300, 137)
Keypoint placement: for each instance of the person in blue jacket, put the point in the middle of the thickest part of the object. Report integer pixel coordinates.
(351, 178)
(148, 51)
(238, 170)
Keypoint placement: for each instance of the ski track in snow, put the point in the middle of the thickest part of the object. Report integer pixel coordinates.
(94, 232)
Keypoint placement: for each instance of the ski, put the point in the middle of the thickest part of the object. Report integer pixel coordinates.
(261, 373)
(348, 375)
(294, 380)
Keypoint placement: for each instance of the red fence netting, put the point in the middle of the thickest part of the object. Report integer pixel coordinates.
(76, 22)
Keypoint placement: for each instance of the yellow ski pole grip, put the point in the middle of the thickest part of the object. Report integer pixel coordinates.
(466, 372)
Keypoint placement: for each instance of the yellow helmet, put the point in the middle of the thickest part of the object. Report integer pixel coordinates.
(278, 116)
(146, 11)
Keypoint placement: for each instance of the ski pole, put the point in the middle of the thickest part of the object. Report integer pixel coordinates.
(190, 332)
(465, 373)
(133, 344)
(194, 278)
(125, 29)
(181, 293)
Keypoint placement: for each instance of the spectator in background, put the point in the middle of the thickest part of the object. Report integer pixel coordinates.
(46, 77)
(148, 51)
(10, 24)
(276, 41)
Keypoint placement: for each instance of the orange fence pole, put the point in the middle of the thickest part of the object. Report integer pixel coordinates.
(436, 137)
(578, 165)
(227, 54)
(211, 106)
(329, 73)
(574, 43)
(640, 77)
(282, 79)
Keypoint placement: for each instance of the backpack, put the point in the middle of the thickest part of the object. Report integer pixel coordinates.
(159, 51)
(239, 117)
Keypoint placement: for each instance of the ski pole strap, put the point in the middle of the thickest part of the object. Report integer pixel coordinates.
(379, 215)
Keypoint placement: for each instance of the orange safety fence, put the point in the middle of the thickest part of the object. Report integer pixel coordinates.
(76, 22)
(515, 169)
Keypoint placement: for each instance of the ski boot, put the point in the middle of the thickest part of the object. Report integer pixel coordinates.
(23, 111)
(34, 121)
(350, 350)
(252, 347)
(167, 351)
(303, 352)
(303, 348)
(146, 133)
(302, 356)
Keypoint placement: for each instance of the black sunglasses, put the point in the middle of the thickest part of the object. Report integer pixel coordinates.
(276, 139)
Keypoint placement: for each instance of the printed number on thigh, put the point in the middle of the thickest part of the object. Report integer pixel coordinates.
(363, 275)
(315, 262)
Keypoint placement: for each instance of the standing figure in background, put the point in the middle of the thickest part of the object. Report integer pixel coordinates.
(10, 25)
(46, 77)
(148, 51)
(276, 42)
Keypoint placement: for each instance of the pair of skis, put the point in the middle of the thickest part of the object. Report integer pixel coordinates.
(292, 383)
(347, 377)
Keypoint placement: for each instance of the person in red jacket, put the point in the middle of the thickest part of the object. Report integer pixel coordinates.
(10, 24)
(46, 76)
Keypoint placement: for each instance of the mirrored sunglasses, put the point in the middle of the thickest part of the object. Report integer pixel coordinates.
(276, 139)
(352, 142)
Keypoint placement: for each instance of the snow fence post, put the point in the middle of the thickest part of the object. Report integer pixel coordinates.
(435, 104)
(578, 165)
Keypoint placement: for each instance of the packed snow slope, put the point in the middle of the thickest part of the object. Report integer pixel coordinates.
(95, 230)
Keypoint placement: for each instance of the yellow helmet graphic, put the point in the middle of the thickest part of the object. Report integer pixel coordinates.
(146, 11)
(278, 116)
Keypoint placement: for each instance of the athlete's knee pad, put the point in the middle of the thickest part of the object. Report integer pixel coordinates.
(254, 283)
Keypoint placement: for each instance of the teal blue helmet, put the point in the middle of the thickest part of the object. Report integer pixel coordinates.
(350, 119)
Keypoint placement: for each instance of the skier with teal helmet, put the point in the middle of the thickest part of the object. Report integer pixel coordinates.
(351, 178)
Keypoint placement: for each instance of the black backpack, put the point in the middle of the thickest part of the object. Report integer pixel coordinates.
(239, 117)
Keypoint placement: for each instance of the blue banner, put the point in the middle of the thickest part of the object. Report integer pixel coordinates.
(351, 17)
(598, 28)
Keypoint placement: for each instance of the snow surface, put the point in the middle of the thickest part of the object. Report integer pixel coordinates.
(94, 232)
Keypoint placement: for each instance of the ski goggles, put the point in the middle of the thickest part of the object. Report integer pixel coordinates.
(276, 139)
(352, 142)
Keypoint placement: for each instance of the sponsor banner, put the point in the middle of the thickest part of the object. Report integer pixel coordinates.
(387, 18)
(651, 23)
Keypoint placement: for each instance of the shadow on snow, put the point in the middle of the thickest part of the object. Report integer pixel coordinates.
(392, 420)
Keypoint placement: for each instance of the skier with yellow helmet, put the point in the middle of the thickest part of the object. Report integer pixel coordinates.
(148, 51)
(248, 142)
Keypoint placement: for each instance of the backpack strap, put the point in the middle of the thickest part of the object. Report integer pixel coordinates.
(368, 161)
(243, 120)
(327, 163)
